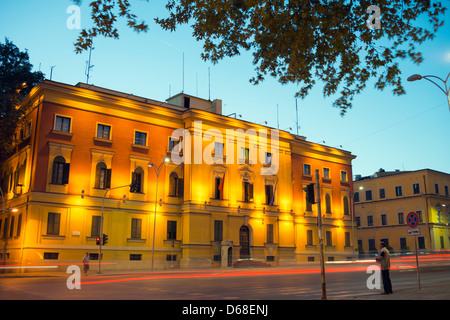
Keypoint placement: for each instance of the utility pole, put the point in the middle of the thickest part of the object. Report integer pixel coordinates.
(319, 226)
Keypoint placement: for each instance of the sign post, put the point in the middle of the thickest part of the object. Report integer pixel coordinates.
(412, 220)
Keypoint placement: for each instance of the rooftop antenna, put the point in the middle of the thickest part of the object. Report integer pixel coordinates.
(51, 72)
(296, 114)
(209, 84)
(183, 73)
(278, 122)
(88, 65)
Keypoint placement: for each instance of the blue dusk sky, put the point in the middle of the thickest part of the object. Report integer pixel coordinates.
(408, 132)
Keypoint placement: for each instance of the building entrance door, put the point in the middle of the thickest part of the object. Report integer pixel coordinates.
(244, 240)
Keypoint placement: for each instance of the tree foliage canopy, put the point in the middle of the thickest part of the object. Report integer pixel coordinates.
(16, 81)
(297, 41)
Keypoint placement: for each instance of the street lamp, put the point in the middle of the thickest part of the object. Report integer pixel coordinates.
(157, 171)
(445, 90)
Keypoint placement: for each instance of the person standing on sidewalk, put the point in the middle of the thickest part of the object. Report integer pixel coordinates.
(385, 262)
(86, 263)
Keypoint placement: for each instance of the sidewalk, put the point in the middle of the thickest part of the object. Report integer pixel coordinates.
(426, 292)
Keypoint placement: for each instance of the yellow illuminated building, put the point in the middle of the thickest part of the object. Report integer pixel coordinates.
(227, 190)
(384, 200)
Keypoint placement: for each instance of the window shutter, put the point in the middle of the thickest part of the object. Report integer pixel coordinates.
(108, 179)
(66, 170)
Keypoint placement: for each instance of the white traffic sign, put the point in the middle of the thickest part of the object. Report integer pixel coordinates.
(413, 232)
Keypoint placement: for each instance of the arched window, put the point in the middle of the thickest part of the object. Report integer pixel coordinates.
(346, 206)
(60, 171)
(173, 182)
(102, 176)
(327, 203)
(138, 176)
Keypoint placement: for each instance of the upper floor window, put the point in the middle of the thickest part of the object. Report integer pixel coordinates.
(436, 188)
(138, 176)
(416, 188)
(173, 142)
(247, 191)
(60, 171)
(398, 191)
(102, 176)
(140, 138)
(218, 149)
(344, 177)
(62, 123)
(346, 206)
(382, 193)
(306, 169)
(175, 185)
(368, 195)
(103, 131)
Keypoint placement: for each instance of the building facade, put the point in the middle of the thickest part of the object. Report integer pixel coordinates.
(382, 204)
(209, 189)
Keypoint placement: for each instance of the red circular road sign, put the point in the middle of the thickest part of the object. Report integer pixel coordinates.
(412, 219)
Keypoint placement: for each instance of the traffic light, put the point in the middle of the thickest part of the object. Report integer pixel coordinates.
(98, 241)
(310, 193)
(105, 239)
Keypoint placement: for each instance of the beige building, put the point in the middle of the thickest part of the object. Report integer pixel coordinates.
(384, 200)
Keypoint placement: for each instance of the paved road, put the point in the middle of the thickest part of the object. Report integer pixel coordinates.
(300, 283)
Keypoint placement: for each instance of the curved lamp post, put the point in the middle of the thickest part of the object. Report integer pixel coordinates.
(157, 171)
(445, 90)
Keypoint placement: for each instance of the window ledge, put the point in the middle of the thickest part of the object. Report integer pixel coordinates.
(53, 237)
(139, 146)
(69, 134)
(103, 140)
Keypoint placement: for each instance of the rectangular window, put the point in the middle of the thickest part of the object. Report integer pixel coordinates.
(306, 169)
(247, 191)
(217, 193)
(19, 225)
(269, 233)
(53, 223)
(104, 131)
(309, 238)
(11, 227)
(268, 158)
(329, 238)
(136, 226)
(398, 191)
(421, 242)
(62, 124)
(382, 193)
(436, 188)
(446, 190)
(347, 239)
(171, 257)
(140, 138)
(218, 149)
(95, 226)
(384, 220)
(326, 173)
(356, 196)
(171, 230)
(369, 221)
(245, 154)
(218, 230)
(173, 142)
(368, 195)
(51, 255)
(135, 257)
(403, 244)
(358, 221)
(344, 177)
(372, 244)
(416, 188)
(269, 194)
(401, 218)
